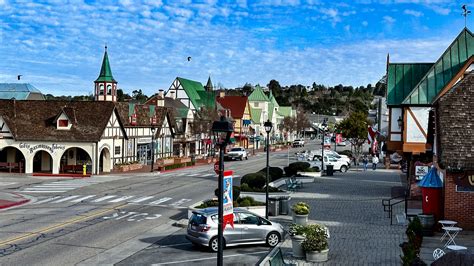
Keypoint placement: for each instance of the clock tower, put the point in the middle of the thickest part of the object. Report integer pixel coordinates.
(105, 84)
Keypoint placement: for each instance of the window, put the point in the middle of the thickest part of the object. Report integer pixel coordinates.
(247, 218)
(256, 104)
(109, 89)
(101, 89)
(63, 123)
(117, 150)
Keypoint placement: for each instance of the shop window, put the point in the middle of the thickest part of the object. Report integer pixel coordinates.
(117, 150)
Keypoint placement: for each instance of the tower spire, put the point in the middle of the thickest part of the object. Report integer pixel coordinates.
(105, 84)
(209, 86)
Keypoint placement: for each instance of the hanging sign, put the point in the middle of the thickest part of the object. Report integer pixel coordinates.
(338, 138)
(228, 200)
(465, 179)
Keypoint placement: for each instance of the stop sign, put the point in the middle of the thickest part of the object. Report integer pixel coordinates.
(216, 167)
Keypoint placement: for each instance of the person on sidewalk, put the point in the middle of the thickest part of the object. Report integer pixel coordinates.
(375, 161)
(365, 161)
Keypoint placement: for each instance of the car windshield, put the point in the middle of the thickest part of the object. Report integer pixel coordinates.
(236, 149)
(197, 219)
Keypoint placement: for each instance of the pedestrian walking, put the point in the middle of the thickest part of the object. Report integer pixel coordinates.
(365, 161)
(375, 161)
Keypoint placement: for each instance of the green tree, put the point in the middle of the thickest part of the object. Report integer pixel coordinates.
(354, 128)
(275, 88)
(138, 96)
(287, 124)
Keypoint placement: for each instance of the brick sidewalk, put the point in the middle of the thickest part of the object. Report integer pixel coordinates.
(350, 205)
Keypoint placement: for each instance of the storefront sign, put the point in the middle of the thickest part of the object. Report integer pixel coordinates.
(465, 179)
(421, 170)
(51, 148)
(144, 140)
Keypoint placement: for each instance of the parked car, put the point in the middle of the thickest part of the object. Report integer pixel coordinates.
(338, 164)
(342, 143)
(249, 228)
(237, 153)
(298, 143)
(339, 156)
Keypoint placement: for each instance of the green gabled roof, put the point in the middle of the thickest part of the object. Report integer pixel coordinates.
(256, 114)
(208, 99)
(284, 111)
(402, 78)
(191, 88)
(271, 107)
(105, 71)
(258, 95)
(273, 100)
(443, 70)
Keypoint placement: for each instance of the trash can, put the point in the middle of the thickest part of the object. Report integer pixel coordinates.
(329, 170)
(431, 188)
(273, 206)
(284, 205)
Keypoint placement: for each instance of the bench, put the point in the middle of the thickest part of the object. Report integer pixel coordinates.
(10, 166)
(290, 186)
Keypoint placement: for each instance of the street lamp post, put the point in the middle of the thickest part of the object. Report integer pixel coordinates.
(152, 147)
(222, 130)
(324, 125)
(268, 127)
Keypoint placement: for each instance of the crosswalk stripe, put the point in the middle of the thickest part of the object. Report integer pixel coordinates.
(156, 202)
(206, 175)
(83, 198)
(193, 174)
(66, 199)
(47, 200)
(121, 199)
(58, 186)
(44, 191)
(104, 198)
(179, 202)
(141, 199)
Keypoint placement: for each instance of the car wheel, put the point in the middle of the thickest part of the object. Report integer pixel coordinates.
(241, 157)
(213, 244)
(273, 238)
(246, 157)
(343, 168)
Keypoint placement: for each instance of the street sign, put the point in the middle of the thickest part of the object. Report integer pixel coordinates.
(216, 167)
(338, 138)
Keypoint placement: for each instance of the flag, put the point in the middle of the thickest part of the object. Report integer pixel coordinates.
(371, 134)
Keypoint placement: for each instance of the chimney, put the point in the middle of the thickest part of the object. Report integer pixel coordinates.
(172, 95)
(221, 94)
(160, 99)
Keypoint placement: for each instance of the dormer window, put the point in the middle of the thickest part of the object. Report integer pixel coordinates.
(63, 123)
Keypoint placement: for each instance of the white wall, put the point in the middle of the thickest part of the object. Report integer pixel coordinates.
(414, 133)
(395, 130)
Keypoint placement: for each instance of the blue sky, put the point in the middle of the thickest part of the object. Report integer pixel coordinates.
(58, 45)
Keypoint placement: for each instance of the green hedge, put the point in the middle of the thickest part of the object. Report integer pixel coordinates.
(275, 173)
(245, 188)
(240, 202)
(295, 167)
(253, 180)
(235, 192)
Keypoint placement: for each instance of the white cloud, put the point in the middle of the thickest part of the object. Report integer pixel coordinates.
(440, 10)
(331, 14)
(3, 2)
(413, 13)
(347, 28)
(388, 20)
(365, 23)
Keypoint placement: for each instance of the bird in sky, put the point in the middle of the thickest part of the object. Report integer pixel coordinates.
(189, 58)
(19, 77)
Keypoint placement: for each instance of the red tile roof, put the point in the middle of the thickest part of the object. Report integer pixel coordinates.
(236, 105)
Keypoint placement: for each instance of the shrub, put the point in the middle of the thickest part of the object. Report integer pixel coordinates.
(300, 208)
(208, 203)
(296, 230)
(254, 180)
(235, 192)
(275, 173)
(248, 201)
(293, 168)
(310, 170)
(316, 238)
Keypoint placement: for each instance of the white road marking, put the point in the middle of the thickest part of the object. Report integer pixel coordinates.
(3, 184)
(207, 175)
(66, 199)
(44, 191)
(141, 199)
(83, 198)
(47, 200)
(210, 258)
(121, 199)
(156, 202)
(193, 174)
(179, 202)
(104, 198)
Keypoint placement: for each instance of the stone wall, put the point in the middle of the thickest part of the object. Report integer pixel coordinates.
(458, 206)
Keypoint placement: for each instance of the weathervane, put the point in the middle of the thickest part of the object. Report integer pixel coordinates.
(465, 13)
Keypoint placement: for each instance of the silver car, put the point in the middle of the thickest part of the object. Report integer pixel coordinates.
(249, 228)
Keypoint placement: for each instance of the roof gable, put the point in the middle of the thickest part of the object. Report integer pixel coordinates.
(256, 114)
(258, 95)
(236, 105)
(445, 68)
(192, 88)
(284, 111)
(402, 78)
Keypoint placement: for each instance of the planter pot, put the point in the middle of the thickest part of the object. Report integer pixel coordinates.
(296, 242)
(168, 161)
(300, 219)
(317, 256)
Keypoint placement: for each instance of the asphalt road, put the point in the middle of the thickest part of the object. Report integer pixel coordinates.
(126, 219)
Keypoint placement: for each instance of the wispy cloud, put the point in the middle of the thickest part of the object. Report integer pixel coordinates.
(413, 13)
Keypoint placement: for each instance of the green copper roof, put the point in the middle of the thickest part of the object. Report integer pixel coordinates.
(273, 100)
(208, 99)
(443, 70)
(256, 114)
(105, 72)
(402, 78)
(284, 111)
(271, 107)
(191, 88)
(258, 95)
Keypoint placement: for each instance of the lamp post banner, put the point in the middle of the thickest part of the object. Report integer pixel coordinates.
(228, 200)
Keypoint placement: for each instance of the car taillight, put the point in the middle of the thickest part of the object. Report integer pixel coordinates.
(205, 227)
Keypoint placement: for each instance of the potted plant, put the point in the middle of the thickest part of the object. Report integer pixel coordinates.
(315, 243)
(297, 233)
(300, 213)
